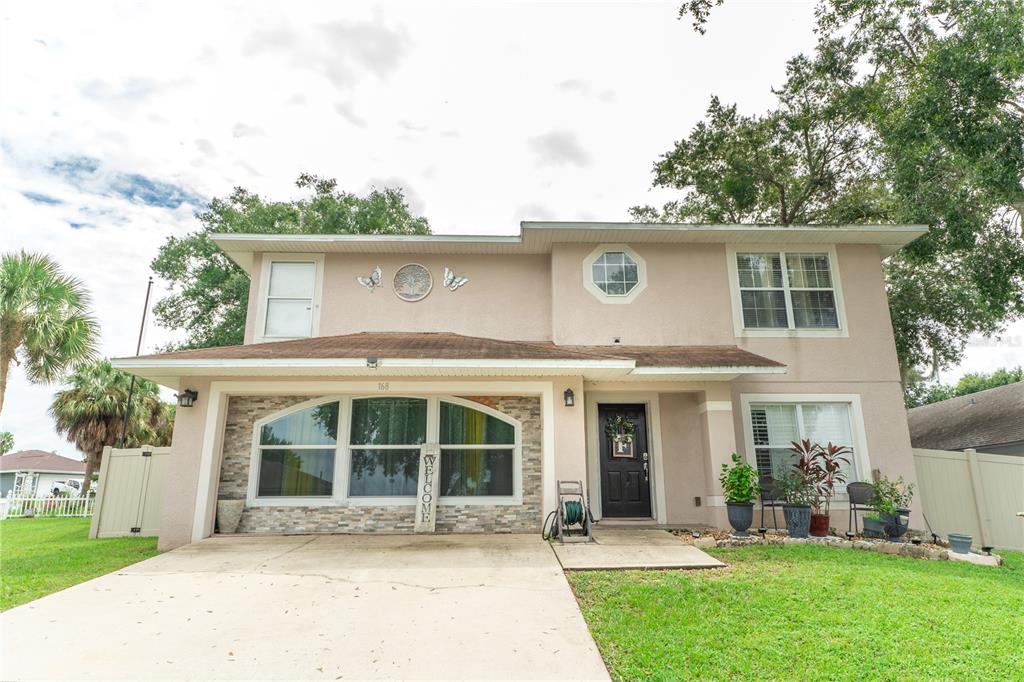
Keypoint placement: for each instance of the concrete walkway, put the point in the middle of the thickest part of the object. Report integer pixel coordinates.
(622, 548)
(314, 607)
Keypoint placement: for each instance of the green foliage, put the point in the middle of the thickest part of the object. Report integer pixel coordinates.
(210, 293)
(891, 495)
(42, 556)
(90, 413)
(45, 323)
(808, 613)
(795, 488)
(917, 392)
(6, 442)
(739, 481)
(909, 111)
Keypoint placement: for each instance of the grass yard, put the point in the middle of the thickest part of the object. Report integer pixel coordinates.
(810, 613)
(41, 556)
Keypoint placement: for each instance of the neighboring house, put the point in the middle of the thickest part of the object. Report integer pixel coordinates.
(35, 471)
(990, 421)
(380, 391)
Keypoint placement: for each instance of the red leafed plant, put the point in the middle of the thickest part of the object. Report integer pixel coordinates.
(822, 468)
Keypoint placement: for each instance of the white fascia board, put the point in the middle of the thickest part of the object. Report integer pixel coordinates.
(640, 371)
(383, 364)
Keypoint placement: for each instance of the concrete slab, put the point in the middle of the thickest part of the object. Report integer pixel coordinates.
(621, 548)
(976, 559)
(314, 607)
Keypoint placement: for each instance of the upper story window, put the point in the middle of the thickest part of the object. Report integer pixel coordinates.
(614, 273)
(289, 297)
(780, 290)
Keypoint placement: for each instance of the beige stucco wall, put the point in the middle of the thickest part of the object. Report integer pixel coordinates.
(686, 301)
(684, 458)
(506, 297)
(183, 476)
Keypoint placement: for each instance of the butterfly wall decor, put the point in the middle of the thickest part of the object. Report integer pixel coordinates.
(452, 281)
(373, 281)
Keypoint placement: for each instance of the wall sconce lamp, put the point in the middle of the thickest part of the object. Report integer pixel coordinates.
(570, 397)
(187, 398)
(372, 363)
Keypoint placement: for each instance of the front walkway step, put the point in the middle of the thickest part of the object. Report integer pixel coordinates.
(622, 548)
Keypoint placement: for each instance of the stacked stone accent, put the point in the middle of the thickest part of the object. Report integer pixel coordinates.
(244, 411)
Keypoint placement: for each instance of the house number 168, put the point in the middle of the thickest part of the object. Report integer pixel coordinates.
(383, 386)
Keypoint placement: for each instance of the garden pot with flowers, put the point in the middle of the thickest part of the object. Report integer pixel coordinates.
(891, 505)
(740, 486)
(822, 467)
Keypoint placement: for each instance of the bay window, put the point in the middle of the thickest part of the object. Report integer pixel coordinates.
(296, 455)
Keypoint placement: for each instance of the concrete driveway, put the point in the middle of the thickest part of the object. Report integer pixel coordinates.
(314, 607)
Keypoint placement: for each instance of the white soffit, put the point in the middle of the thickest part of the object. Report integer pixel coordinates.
(538, 238)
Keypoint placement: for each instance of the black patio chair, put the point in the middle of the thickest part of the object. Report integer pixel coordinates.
(861, 495)
(769, 498)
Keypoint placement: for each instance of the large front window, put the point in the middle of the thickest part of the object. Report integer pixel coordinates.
(298, 452)
(776, 426)
(780, 290)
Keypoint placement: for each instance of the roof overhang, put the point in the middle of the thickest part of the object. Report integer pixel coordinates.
(175, 373)
(539, 237)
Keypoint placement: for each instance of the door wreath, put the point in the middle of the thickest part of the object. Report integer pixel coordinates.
(620, 432)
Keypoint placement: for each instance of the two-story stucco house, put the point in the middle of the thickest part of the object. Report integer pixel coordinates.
(445, 383)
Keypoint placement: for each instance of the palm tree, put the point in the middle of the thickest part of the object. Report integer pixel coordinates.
(6, 442)
(90, 413)
(45, 324)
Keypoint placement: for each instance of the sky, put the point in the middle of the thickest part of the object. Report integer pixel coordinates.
(118, 120)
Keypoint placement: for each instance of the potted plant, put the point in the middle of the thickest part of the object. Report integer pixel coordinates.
(809, 469)
(892, 505)
(740, 485)
(796, 493)
(874, 526)
(829, 460)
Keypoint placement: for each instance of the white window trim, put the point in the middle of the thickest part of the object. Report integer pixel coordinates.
(861, 456)
(343, 457)
(264, 290)
(791, 332)
(596, 292)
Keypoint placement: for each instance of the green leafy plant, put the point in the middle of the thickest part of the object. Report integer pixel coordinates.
(794, 489)
(891, 496)
(821, 468)
(739, 481)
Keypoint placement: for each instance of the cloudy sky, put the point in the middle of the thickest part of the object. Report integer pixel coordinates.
(118, 120)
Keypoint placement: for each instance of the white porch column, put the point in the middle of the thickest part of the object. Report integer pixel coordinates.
(719, 433)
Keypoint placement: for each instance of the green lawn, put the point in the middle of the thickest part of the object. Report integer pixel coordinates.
(40, 556)
(810, 613)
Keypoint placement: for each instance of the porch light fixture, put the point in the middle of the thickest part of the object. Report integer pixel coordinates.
(570, 397)
(372, 363)
(187, 398)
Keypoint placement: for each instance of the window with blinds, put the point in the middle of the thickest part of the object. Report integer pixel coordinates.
(780, 290)
(775, 426)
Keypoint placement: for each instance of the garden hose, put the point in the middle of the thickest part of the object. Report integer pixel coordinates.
(573, 512)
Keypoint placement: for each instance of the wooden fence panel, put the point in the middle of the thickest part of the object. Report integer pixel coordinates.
(975, 494)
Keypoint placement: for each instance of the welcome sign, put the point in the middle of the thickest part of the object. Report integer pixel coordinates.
(426, 488)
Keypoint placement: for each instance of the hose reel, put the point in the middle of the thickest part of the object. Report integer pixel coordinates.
(570, 521)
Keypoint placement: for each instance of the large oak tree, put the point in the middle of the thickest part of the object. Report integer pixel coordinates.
(909, 111)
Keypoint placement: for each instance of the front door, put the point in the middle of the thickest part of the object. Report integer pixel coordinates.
(625, 462)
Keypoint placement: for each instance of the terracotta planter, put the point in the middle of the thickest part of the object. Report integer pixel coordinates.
(229, 514)
(819, 525)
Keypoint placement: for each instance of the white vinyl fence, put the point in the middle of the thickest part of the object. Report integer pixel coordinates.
(974, 493)
(13, 507)
(131, 492)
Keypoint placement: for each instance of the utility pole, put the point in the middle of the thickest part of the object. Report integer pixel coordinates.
(138, 349)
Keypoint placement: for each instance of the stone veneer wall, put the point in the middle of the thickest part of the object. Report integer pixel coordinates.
(244, 411)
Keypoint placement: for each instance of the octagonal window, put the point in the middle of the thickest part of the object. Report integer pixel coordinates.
(615, 273)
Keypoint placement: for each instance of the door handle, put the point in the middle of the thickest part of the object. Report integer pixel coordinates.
(646, 470)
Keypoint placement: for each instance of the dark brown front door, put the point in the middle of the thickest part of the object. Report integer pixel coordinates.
(625, 463)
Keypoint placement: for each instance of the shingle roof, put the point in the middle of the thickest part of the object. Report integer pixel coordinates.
(40, 460)
(986, 418)
(447, 346)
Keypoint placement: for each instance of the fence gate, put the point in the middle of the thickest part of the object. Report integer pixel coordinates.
(131, 492)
